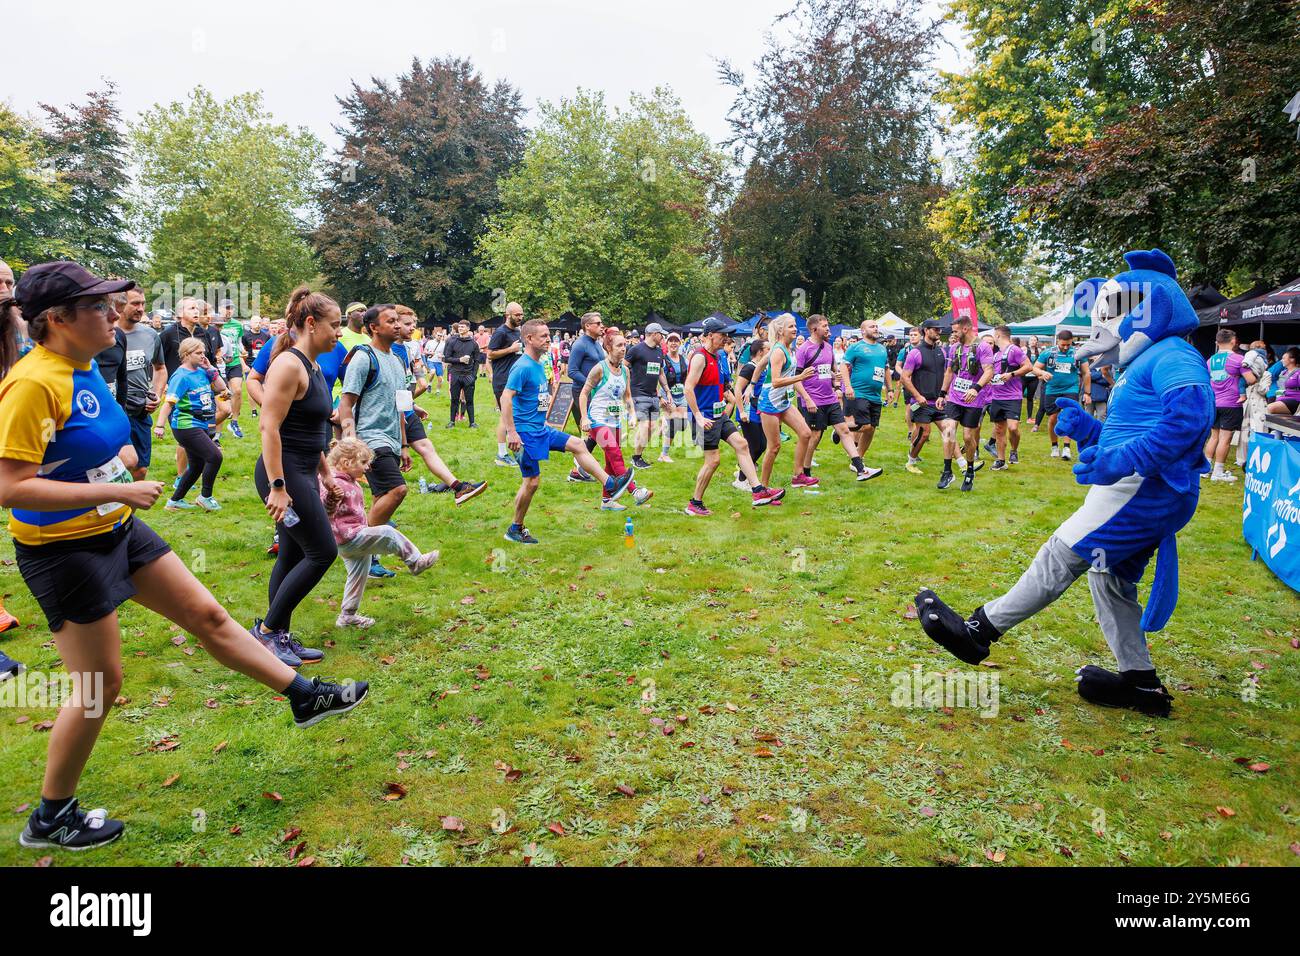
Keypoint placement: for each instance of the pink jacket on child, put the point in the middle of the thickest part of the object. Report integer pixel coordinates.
(350, 516)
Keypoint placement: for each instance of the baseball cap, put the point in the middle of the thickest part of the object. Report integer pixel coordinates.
(675, 335)
(49, 284)
(930, 324)
(712, 325)
(654, 327)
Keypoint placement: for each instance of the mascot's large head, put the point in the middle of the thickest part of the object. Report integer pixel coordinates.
(1135, 308)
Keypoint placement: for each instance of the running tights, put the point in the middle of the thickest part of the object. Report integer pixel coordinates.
(203, 457)
(462, 396)
(307, 548)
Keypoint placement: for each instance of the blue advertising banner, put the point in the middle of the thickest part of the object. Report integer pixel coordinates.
(1270, 510)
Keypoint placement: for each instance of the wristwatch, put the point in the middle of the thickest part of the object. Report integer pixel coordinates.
(277, 483)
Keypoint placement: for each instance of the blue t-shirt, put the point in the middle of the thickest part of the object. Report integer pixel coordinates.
(329, 363)
(1275, 386)
(532, 395)
(195, 406)
(1064, 370)
(867, 362)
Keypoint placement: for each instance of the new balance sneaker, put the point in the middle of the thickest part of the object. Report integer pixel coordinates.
(614, 487)
(609, 504)
(639, 462)
(9, 667)
(350, 619)
(468, 490)
(697, 511)
(235, 429)
(642, 495)
(72, 829)
(277, 642)
(520, 536)
(866, 474)
(181, 505)
(377, 570)
(999, 465)
(768, 496)
(208, 504)
(328, 700)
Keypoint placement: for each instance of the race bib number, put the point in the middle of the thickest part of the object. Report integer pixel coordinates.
(1063, 366)
(824, 372)
(543, 401)
(719, 409)
(111, 472)
(611, 411)
(961, 386)
(652, 369)
(678, 391)
(878, 375)
(790, 394)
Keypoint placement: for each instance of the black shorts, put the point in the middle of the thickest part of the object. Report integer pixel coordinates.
(925, 414)
(385, 473)
(496, 393)
(1002, 409)
(824, 416)
(86, 579)
(863, 411)
(968, 417)
(1291, 403)
(1049, 401)
(720, 431)
(1228, 419)
(414, 429)
(233, 371)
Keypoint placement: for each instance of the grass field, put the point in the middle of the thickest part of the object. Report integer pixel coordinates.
(718, 694)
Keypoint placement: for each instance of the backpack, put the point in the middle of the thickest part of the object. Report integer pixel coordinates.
(372, 376)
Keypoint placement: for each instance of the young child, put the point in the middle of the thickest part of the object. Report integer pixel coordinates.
(348, 460)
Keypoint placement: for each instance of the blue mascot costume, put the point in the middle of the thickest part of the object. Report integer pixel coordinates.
(1144, 465)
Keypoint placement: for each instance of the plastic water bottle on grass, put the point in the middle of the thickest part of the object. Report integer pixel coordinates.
(629, 535)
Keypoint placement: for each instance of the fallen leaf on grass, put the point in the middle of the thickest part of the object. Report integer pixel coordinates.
(625, 790)
(395, 791)
(291, 834)
(272, 795)
(1226, 812)
(556, 828)
(910, 613)
(171, 780)
(453, 824)
(764, 753)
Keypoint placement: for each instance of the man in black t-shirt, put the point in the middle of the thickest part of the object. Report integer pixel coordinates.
(503, 351)
(649, 387)
(186, 326)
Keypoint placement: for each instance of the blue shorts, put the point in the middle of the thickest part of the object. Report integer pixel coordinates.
(538, 447)
(437, 368)
(142, 437)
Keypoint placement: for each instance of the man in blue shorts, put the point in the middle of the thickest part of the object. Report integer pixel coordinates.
(524, 404)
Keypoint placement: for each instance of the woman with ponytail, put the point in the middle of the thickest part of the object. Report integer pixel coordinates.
(295, 427)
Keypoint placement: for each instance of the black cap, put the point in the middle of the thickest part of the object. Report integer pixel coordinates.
(930, 324)
(49, 284)
(712, 325)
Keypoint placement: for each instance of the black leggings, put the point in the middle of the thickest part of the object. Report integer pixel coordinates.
(307, 549)
(462, 385)
(755, 436)
(204, 458)
(1031, 391)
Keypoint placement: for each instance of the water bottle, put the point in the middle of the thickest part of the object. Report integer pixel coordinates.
(290, 517)
(629, 537)
(424, 487)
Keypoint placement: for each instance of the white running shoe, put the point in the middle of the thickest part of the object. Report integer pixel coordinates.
(665, 459)
(1056, 452)
(1065, 453)
(424, 562)
(354, 620)
(1224, 476)
(740, 484)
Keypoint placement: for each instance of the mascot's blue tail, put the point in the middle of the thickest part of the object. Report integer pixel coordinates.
(1164, 587)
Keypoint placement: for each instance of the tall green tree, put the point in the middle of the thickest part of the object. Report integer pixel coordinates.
(32, 199)
(406, 198)
(224, 194)
(610, 209)
(86, 144)
(835, 131)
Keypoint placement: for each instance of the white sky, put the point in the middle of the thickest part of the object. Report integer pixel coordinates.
(304, 55)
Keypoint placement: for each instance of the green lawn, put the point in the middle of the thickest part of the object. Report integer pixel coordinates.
(720, 694)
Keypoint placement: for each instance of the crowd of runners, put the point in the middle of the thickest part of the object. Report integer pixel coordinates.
(89, 379)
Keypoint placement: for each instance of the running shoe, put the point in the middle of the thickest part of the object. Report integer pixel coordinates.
(814, 463)
(1065, 453)
(1224, 476)
(473, 424)
(354, 620)
(642, 495)
(609, 504)
(9, 667)
(520, 537)
(768, 496)
(328, 700)
(991, 447)
(1056, 452)
(276, 643)
(1034, 429)
(425, 561)
(639, 462)
(377, 570)
(468, 490)
(181, 505)
(450, 425)
(176, 482)
(505, 461)
(665, 459)
(579, 475)
(979, 463)
(1013, 458)
(308, 655)
(615, 487)
(7, 621)
(804, 481)
(999, 465)
(866, 474)
(912, 468)
(235, 429)
(697, 511)
(945, 480)
(968, 482)
(72, 829)
(440, 488)
(740, 484)
(208, 504)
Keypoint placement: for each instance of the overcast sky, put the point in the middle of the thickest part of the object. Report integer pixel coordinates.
(301, 56)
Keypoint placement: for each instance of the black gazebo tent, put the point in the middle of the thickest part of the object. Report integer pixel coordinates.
(1272, 315)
